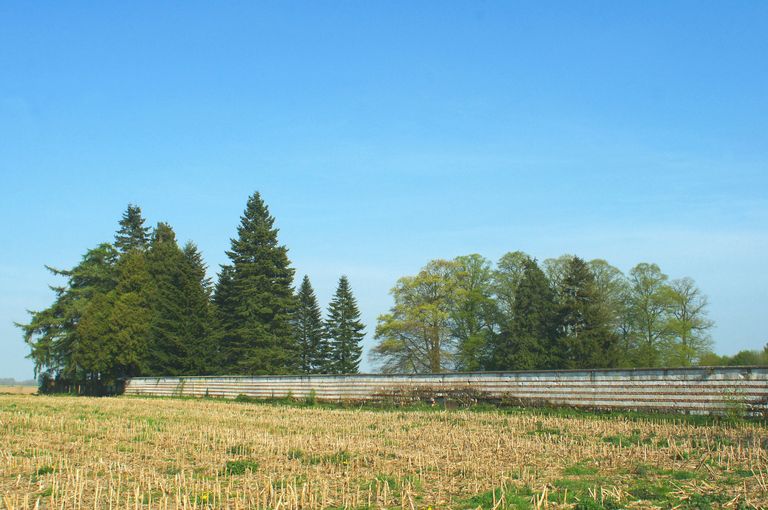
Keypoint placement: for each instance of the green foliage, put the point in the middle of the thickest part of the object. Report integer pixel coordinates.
(472, 310)
(133, 235)
(585, 338)
(648, 304)
(515, 497)
(180, 329)
(52, 334)
(528, 341)
(240, 467)
(313, 347)
(344, 331)
(145, 307)
(44, 470)
(167, 353)
(256, 299)
(742, 358)
(136, 308)
(415, 336)
(197, 313)
(687, 324)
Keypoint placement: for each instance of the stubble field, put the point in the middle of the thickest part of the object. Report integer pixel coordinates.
(131, 453)
(17, 390)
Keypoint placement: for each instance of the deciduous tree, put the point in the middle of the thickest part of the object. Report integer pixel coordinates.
(415, 336)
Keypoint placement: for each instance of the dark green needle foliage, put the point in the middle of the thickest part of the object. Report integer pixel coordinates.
(585, 338)
(312, 345)
(344, 331)
(52, 334)
(168, 349)
(258, 301)
(197, 313)
(526, 343)
(132, 235)
(181, 340)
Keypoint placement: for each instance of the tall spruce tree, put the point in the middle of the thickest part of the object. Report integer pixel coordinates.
(312, 345)
(526, 343)
(197, 316)
(344, 330)
(224, 321)
(585, 338)
(132, 235)
(129, 332)
(257, 336)
(168, 352)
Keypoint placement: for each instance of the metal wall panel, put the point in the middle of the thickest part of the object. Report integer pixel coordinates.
(699, 389)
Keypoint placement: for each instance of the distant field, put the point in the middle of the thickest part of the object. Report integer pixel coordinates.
(73, 453)
(17, 390)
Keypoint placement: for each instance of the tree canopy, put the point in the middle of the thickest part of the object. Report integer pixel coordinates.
(144, 305)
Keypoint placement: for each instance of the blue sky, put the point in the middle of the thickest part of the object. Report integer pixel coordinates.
(385, 134)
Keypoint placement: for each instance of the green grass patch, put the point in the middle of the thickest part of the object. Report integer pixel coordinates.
(240, 467)
(583, 468)
(515, 498)
(44, 470)
(634, 439)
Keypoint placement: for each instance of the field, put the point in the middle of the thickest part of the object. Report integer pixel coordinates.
(17, 390)
(130, 453)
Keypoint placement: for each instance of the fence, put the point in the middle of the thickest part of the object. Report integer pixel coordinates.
(697, 390)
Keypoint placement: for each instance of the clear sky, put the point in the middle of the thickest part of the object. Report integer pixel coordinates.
(385, 134)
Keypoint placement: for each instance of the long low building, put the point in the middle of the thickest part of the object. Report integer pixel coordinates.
(695, 389)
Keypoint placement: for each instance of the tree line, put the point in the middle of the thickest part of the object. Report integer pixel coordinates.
(566, 313)
(143, 306)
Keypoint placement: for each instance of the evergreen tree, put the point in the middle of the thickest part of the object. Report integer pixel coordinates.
(526, 343)
(308, 326)
(586, 338)
(132, 235)
(224, 321)
(95, 351)
(54, 335)
(126, 337)
(197, 315)
(168, 352)
(257, 337)
(180, 335)
(344, 330)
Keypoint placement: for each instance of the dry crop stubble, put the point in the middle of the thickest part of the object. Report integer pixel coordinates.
(128, 453)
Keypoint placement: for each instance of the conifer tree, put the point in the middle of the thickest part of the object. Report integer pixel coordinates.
(257, 336)
(196, 325)
(585, 337)
(308, 327)
(128, 335)
(132, 235)
(526, 343)
(180, 334)
(168, 352)
(224, 321)
(344, 330)
(54, 335)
